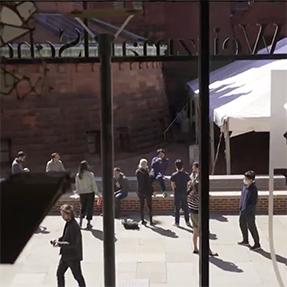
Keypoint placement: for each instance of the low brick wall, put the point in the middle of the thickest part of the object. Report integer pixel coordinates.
(223, 202)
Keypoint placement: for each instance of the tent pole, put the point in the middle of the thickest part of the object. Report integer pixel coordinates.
(227, 147)
(212, 150)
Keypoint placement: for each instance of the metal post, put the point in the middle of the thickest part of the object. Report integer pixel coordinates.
(107, 151)
(204, 143)
(86, 34)
(212, 148)
(227, 147)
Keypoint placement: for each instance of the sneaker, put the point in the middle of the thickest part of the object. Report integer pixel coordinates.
(243, 242)
(255, 247)
(176, 224)
(188, 224)
(196, 251)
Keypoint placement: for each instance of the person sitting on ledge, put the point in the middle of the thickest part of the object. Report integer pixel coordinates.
(121, 187)
(17, 165)
(159, 166)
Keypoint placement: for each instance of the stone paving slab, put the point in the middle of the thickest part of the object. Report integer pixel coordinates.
(159, 256)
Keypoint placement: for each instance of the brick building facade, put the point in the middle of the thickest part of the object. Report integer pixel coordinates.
(66, 115)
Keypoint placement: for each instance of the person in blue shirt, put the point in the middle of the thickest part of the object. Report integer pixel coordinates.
(179, 184)
(159, 166)
(248, 201)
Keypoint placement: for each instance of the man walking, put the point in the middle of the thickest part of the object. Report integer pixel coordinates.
(71, 249)
(247, 207)
(179, 184)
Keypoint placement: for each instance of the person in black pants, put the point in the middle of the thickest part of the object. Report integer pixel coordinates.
(179, 184)
(71, 248)
(247, 208)
(145, 189)
(86, 187)
(159, 166)
(121, 188)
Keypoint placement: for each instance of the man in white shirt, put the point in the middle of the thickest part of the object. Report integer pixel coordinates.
(55, 164)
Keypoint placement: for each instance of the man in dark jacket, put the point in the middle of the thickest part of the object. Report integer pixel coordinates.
(180, 181)
(121, 188)
(71, 248)
(17, 165)
(247, 208)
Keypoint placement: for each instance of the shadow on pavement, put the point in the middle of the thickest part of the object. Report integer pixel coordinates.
(267, 255)
(99, 234)
(225, 265)
(186, 229)
(162, 231)
(42, 230)
(212, 236)
(218, 217)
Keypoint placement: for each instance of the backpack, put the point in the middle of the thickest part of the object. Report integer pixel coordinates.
(130, 224)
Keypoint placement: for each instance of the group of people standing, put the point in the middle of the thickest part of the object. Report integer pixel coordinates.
(186, 197)
(184, 186)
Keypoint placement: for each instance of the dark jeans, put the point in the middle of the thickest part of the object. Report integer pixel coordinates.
(160, 179)
(119, 195)
(181, 203)
(75, 267)
(87, 205)
(247, 222)
(148, 200)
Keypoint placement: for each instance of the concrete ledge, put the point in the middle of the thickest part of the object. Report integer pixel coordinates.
(224, 202)
(218, 182)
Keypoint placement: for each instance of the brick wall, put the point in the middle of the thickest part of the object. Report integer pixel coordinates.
(69, 106)
(223, 204)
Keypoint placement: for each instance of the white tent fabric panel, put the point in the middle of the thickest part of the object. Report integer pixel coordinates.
(240, 93)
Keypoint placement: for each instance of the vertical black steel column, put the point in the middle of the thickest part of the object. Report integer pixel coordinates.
(107, 159)
(86, 34)
(204, 143)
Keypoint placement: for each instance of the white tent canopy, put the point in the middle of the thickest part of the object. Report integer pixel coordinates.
(240, 93)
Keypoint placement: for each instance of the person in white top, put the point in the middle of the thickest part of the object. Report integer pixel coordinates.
(86, 187)
(55, 164)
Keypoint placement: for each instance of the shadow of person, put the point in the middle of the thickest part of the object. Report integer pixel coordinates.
(225, 265)
(162, 231)
(267, 255)
(212, 236)
(219, 217)
(186, 229)
(99, 234)
(42, 230)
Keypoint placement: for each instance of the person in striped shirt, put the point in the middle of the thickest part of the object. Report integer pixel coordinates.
(193, 205)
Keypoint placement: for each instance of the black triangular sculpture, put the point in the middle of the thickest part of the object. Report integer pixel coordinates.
(25, 199)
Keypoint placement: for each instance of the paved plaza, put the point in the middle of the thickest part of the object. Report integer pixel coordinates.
(159, 256)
